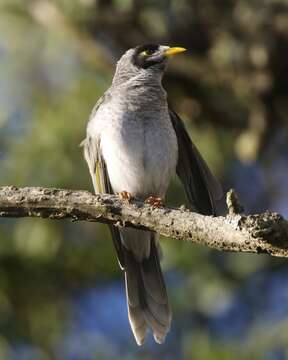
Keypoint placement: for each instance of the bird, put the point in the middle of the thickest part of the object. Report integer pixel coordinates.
(135, 143)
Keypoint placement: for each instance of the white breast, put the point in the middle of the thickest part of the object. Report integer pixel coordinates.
(140, 149)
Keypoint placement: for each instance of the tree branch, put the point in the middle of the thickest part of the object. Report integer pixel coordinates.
(262, 233)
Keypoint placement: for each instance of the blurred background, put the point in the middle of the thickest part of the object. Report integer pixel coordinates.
(61, 290)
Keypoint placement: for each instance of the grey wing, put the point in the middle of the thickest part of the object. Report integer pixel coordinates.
(96, 165)
(201, 187)
(94, 158)
(100, 178)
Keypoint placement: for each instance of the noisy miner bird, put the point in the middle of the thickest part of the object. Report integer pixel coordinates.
(133, 147)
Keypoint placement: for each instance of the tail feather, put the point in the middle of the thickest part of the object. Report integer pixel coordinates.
(138, 324)
(147, 299)
(159, 330)
(153, 280)
(159, 311)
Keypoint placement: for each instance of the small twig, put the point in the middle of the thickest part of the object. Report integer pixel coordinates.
(233, 203)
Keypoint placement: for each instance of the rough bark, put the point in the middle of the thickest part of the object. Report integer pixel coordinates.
(261, 233)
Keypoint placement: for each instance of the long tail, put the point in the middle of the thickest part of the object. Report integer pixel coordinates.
(146, 295)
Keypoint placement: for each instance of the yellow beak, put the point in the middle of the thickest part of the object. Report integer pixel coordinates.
(173, 51)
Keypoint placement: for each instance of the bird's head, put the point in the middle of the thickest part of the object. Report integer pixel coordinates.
(154, 57)
(146, 59)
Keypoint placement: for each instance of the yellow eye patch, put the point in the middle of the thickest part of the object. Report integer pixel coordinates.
(147, 53)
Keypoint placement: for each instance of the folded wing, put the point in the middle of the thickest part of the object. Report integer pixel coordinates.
(201, 187)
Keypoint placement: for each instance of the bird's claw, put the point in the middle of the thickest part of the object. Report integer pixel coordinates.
(154, 201)
(125, 196)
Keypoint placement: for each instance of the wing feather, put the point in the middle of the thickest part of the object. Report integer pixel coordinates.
(100, 177)
(201, 187)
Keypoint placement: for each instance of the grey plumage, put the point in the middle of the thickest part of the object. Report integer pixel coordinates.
(135, 143)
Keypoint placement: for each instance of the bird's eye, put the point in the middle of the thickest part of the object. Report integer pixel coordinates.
(147, 52)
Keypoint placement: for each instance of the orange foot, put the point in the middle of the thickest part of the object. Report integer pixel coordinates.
(125, 196)
(154, 201)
